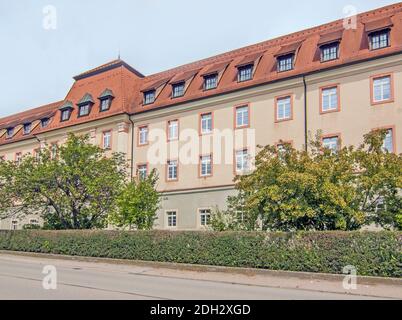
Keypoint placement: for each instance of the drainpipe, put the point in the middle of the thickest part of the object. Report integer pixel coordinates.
(132, 148)
(305, 115)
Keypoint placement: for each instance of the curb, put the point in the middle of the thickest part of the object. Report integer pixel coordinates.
(363, 280)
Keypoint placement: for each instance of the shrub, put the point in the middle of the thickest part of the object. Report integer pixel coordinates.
(373, 254)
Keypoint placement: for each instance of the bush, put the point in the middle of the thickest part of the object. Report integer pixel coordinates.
(373, 254)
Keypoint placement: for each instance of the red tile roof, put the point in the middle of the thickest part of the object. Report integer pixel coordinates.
(127, 84)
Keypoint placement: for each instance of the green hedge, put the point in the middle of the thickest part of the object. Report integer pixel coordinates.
(373, 254)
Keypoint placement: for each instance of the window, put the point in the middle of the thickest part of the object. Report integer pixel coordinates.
(382, 90)
(331, 143)
(171, 218)
(205, 216)
(143, 136)
(34, 222)
(242, 117)
(65, 114)
(245, 73)
(329, 99)
(84, 110)
(149, 97)
(178, 89)
(105, 104)
(242, 161)
(285, 63)
(379, 40)
(206, 166)
(37, 154)
(14, 225)
(284, 108)
(329, 52)
(172, 173)
(10, 133)
(210, 82)
(44, 122)
(53, 150)
(107, 140)
(142, 171)
(283, 146)
(388, 145)
(206, 123)
(173, 130)
(27, 128)
(18, 157)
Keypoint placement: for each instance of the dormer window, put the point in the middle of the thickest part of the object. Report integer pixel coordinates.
(27, 128)
(84, 110)
(44, 122)
(178, 89)
(379, 39)
(329, 52)
(285, 63)
(10, 133)
(210, 81)
(245, 73)
(65, 114)
(149, 96)
(106, 100)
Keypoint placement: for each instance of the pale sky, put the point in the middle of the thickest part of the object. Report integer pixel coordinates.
(37, 64)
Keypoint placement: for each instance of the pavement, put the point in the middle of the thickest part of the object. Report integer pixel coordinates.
(23, 278)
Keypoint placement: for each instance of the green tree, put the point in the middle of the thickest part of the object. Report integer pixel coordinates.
(76, 189)
(137, 204)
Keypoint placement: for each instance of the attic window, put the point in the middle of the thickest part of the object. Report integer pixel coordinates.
(245, 73)
(105, 104)
(10, 133)
(84, 110)
(65, 114)
(210, 81)
(106, 100)
(379, 39)
(178, 89)
(149, 96)
(27, 128)
(44, 122)
(329, 52)
(285, 63)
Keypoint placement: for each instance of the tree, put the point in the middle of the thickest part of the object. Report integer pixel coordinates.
(380, 182)
(137, 204)
(76, 189)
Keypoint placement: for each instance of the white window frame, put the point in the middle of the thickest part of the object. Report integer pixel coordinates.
(205, 214)
(107, 140)
(14, 225)
(390, 138)
(172, 213)
(242, 157)
(330, 145)
(244, 113)
(172, 168)
(142, 171)
(327, 95)
(281, 107)
(206, 123)
(206, 163)
(379, 82)
(143, 135)
(173, 130)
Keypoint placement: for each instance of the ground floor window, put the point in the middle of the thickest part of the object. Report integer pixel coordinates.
(205, 216)
(171, 218)
(14, 225)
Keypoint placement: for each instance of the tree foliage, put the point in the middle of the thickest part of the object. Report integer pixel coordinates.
(320, 189)
(76, 189)
(137, 204)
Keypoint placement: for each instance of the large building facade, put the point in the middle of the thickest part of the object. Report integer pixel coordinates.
(199, 125)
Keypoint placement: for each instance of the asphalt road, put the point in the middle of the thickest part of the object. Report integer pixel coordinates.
(22, 278)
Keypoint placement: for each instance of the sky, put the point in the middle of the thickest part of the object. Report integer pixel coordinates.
(43, 44)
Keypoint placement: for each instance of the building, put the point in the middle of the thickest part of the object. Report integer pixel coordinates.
(344, 78)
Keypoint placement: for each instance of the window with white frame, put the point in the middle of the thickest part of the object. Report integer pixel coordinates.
(172, 173)
(149, 97)
(242, 161)
(329, 99)
(84, 110)
(105, 104)
(329, 52)
(388, 144)
(206, 123)
(284, 108)
(379, 40)
(205, 217)
(107, 140)
(142, 171)
(143, 135)
(178, 89)
(65, 114)
(173, 130)
(285, 63)
(44, 122)
(34, 222)
(210, 81)
(206, 166)
(331, 143)
(171, 218)
(14, 225)
(18, 157)
(242, 116)
(53, 150)
(382, 89)
(27, 128)
(245, 73)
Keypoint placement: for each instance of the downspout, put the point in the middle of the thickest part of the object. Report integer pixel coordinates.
(305, 115)
(132, 148)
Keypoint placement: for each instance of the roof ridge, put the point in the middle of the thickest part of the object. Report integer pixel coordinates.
(266, 44)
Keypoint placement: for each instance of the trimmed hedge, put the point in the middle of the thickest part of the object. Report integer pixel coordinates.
(372, 253)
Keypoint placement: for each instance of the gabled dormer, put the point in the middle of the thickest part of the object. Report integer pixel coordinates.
(65, 111)
(85, 105)
(106, 99)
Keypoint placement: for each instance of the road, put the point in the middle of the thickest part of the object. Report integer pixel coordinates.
(22, 278)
